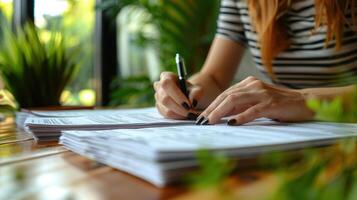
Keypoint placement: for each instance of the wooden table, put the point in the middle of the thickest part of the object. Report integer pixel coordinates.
(29, 170)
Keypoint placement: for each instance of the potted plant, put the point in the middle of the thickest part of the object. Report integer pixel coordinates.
(34, 70)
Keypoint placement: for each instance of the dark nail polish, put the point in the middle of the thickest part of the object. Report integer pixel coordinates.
(232, 122)
(194, 103)
(205, 122)
(192, 116)
(186, 106)
(199, 120)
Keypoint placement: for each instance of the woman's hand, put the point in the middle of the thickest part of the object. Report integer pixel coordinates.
(251, 99)
(171, 102)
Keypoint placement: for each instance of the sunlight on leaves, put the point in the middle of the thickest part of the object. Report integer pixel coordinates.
(36, 72)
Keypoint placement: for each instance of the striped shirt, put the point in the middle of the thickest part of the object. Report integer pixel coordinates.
(307, 62)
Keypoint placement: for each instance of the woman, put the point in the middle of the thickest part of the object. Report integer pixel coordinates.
(306, 47)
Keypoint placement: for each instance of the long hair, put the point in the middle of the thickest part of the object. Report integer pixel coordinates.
(267, 19)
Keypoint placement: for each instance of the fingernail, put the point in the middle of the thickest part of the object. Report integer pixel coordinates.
(185, 105)
(205, 122)
(232, 122)
(194, 103)
(192, 116)
(199, 120)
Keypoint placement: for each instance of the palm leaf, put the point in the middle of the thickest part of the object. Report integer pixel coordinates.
(36, 72)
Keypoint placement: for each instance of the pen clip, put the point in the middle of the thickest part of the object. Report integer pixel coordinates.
(181, 68)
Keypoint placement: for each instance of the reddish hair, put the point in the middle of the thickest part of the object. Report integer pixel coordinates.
(267, 16)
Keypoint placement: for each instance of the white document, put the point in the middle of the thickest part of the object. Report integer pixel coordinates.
(188, 138)
(83, 113)
(191, 138)
(50, 128)
(104, 118)
(24, 114)
(162, 155)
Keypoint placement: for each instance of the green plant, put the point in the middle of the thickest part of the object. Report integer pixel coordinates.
(184, 26)
(3, 23)
(213, 169)
(323, 174)
(133, 92)
(35, 72)
(340, 109)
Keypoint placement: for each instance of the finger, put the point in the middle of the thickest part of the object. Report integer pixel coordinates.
(232, 103)
(195, 94)
(247, 81)
(169, 85)
(240, 86)
(213, 105)
(249, 115)
(164, 75)
(167, 113)
(257, 84)
(164, 99)
(156, 85)
(219, 100)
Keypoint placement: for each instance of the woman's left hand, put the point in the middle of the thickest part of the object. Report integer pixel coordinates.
(251, 99)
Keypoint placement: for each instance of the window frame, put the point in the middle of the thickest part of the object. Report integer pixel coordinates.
(105, 56)
(23, 11)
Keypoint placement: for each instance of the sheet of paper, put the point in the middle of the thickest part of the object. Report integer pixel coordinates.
(83, 113)
(189, 138)
(122, 117)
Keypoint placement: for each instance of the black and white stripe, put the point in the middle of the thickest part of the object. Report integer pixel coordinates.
(308, 62)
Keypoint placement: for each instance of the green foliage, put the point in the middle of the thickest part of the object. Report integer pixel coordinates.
(214, 169)
(340, 109)
(3, 23)
(133, 92)
(36, 72)
(322, 175)
(184, 26)
(313, 174)
(328, 110)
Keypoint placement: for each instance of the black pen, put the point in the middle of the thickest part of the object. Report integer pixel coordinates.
(182, 73)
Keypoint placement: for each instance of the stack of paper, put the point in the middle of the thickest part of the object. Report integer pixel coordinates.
(164, 155)
(49, 125)
(25, 113)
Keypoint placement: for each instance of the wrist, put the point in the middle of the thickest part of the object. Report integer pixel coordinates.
(326, 93)
(305, 96)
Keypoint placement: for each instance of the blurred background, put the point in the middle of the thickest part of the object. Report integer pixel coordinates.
(124, 44)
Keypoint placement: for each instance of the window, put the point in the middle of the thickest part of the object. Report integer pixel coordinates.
(6, 8)
(77, 18)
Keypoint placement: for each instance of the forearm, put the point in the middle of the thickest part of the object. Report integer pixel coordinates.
(218, 70)
(327, 93)
(210, 86)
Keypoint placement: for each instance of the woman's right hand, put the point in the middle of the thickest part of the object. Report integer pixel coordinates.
(171, 102)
